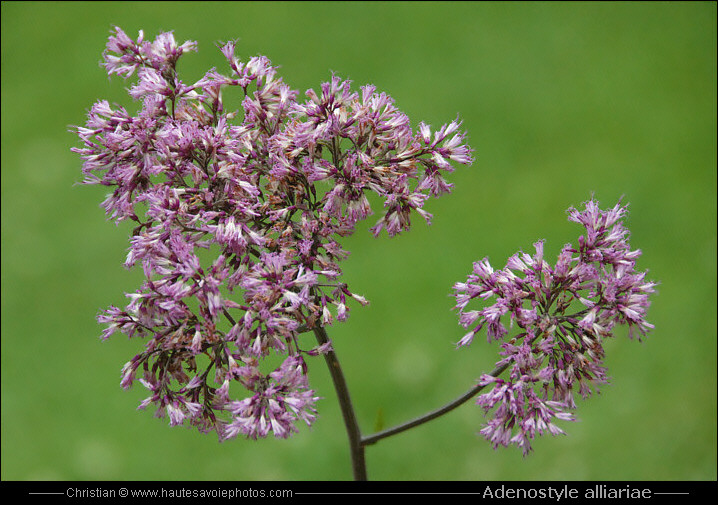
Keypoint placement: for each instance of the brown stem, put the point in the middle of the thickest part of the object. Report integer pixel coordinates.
(357, 443)
(372, 439)
(345, 403)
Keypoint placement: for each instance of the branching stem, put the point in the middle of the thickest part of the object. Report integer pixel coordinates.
(357, 443)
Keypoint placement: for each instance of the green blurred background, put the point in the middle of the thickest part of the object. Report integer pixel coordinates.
(559, 100)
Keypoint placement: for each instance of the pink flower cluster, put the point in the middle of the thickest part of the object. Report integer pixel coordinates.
(238, 219)
(562, 312)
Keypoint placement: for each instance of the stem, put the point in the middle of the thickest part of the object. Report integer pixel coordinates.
(357, 443)
(350, 421)
(372, 439)
(230, 318)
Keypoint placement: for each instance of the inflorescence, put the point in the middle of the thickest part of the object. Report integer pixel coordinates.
(238, 220)
(563, 313)
(239, 216)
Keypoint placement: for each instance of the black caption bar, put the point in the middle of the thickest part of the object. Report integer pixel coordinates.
(232, 492)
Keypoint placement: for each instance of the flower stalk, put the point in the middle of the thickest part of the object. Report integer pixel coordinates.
(429, 416)
(357, 442)
(356, 446)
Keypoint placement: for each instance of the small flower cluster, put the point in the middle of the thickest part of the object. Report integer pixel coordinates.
(563, 313)
(238, 216)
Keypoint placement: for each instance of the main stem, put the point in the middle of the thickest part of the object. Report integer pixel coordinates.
(345, 403)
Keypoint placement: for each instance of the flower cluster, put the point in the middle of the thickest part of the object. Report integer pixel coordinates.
(238, 216)
(563, 312)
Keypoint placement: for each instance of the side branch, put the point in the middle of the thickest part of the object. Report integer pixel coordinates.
(372, 439)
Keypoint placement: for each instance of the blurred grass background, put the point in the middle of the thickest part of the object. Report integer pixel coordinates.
(559, 99)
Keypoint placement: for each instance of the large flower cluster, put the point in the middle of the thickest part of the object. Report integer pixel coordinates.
(563, 313)
(238, 216)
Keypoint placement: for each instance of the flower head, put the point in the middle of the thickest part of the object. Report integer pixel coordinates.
(563, 313)
(238, 218)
